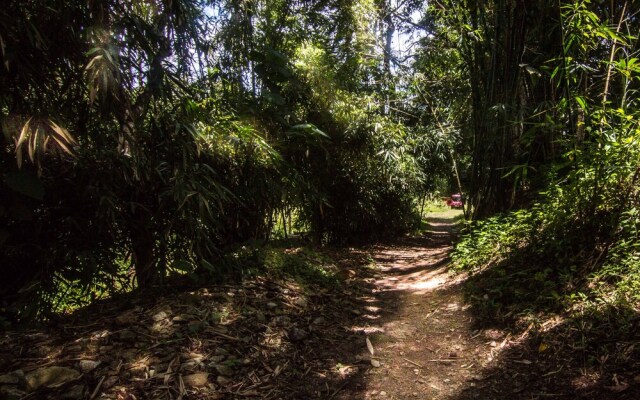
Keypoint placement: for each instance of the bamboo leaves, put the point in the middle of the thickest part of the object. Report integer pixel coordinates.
(39, 136)
(102, 73)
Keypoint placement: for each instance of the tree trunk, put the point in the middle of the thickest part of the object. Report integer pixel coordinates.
(496, 86)
(144, 259)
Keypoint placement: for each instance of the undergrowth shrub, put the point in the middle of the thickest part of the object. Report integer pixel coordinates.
(303, 264)
(576, 249)
(567, 251)
(363, 173)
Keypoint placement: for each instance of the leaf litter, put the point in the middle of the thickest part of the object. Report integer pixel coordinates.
(370, 337)
(262, 338)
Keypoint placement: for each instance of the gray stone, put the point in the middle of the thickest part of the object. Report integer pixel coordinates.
(217, 359)
(198, 379)
(282, 320)
(223, 381)
(88, 365)
(301, 302)
(50, 377)
(110, 382)
(160, 316)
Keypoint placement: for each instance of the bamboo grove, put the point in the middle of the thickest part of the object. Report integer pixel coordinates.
(554, 159)
(142, 138)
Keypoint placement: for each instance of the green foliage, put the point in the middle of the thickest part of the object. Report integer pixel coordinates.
(491, 240)
(573, 247)
(303, 264)
(361, 168)
(143, 139)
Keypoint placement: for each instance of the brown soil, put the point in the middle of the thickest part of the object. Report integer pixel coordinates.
(397, 329)
(421, 331)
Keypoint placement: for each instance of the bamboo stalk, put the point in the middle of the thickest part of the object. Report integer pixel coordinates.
(605, 94)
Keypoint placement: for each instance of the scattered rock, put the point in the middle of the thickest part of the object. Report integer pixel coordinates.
(301, 302)
(453, 307)
(319, 321)
(271, 305)
(198, 379)
(160, 316)
(375, 363)
(197, 326)
(77, 348)
(88, 365)
(223, 381)
(192, 364)
(620, 387)
(129, 354)
(282, 320)
(221, 351)
(179, 319)
(6, 359)
(493, 334)
(222, 328)
(216, 359)
(50, 377)
(162, 327)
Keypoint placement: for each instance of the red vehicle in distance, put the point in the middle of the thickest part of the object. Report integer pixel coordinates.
(455, 201)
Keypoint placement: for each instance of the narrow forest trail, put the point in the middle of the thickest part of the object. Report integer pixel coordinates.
(270, 338)
(421, 332)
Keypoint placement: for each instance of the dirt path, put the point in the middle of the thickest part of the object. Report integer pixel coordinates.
(271, 338)
(420, 330)
(277, 337)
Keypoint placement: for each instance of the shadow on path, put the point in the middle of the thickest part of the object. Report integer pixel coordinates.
(281, 340)
(421, 332)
